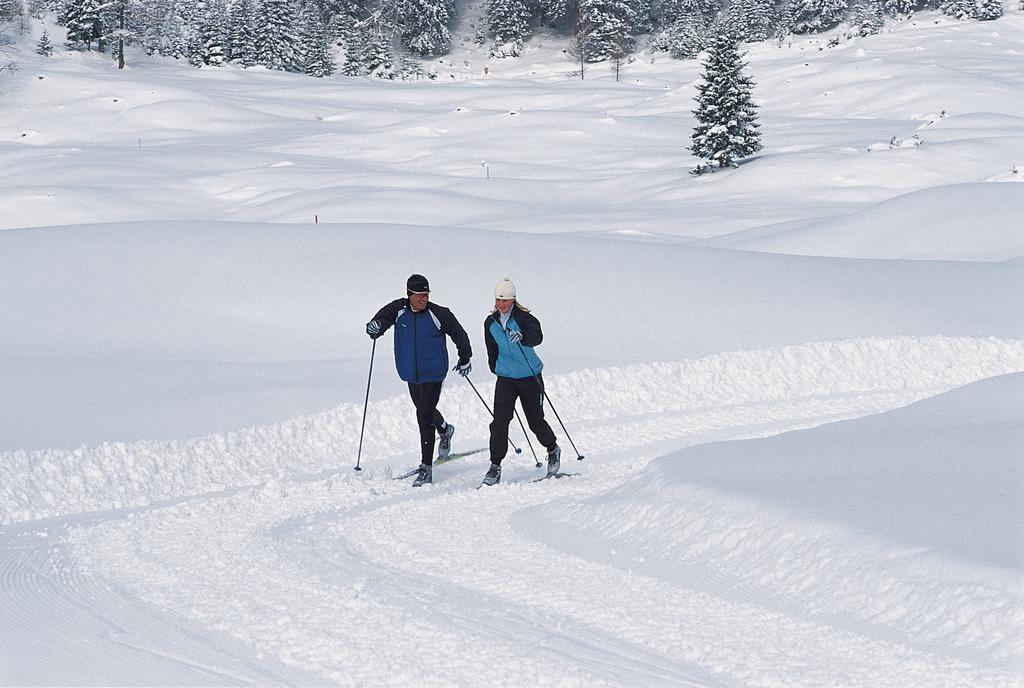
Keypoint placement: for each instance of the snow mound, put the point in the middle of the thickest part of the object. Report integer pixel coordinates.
(979, 222)
(641, 400)
(914, 515)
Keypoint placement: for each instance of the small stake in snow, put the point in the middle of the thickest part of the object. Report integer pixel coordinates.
(359, 454)
(487, 168)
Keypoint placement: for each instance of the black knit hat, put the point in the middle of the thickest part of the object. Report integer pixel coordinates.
(417, 284)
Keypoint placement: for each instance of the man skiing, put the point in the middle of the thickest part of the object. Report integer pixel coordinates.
(421, 357)
(511, 332)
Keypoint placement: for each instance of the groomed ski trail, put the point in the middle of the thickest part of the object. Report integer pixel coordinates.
(366, 581)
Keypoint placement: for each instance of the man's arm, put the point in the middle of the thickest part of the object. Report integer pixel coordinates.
(387, 315)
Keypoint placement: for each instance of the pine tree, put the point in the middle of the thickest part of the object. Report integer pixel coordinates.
(175, 31)
(424, 26)
(685, 38)
(44, 46)
(242, 34)
(604, 29)
(122, 18)
(84, 24)
(60, 10)
(787, 20)
(508, 21)
(899, 9)
(211, 34)
(990, 9)
(959, 9)
(316, 57)
(727, 128)
(378, 59)
(749, 20)
(812, 16)
(306, 21)
(275, 37)
(355, 53)
(555, 12)
(868, 17)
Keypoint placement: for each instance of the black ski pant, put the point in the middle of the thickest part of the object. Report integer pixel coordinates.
(425, 396)
(530, 393)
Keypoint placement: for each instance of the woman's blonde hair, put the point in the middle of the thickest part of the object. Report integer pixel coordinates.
(518, 305)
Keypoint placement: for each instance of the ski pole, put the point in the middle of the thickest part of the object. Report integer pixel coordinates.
(526, 435)
(518, 450)
(579, 457)
(359, 454)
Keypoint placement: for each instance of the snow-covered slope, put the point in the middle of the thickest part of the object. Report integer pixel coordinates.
(188, 260)
(171, 330)
(980, 221)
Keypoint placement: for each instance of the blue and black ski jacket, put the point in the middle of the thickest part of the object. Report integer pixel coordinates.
(509, 359)
(421, 352)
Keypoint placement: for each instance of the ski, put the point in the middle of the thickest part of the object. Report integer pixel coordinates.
(553, 475)
(446, 459)
(535, 480)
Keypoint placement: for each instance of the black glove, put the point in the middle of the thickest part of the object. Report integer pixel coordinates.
(373, 329)
(463, 368)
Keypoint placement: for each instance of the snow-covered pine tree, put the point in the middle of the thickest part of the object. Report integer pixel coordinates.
(165, 27)
(378, 58)
(122, 21)
(275, 35)
(685, 38)
(424, 26)
(147, 21)
(556, 12)
(604, 29)
(410, 69)
(84, 25)
(990, 9)
(45, 45)
(898, 9)
(355, 52)
(212, 33)
(508, 22)
(642, 16)
(787, 20)
(959, 9)
(868, 17)
(306, 19)
(685, 25)
(749, 20)
(316, 56)
(60, 12)
(242, 34)
(666, 12)
(813, 16)
(727, 127)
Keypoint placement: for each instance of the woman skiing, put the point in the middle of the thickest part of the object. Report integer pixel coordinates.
(511, 332)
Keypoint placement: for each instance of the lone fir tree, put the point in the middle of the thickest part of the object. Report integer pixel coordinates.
(727, 127)
(45, 46)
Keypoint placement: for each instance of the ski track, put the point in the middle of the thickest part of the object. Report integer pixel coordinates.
(50, 604)
(304, 564)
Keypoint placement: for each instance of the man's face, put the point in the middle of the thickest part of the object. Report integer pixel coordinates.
(503, 305)
(419, 301)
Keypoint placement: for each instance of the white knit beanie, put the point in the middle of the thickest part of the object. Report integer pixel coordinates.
(505, 289)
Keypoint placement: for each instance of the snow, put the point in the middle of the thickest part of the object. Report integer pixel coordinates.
(798, 384)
